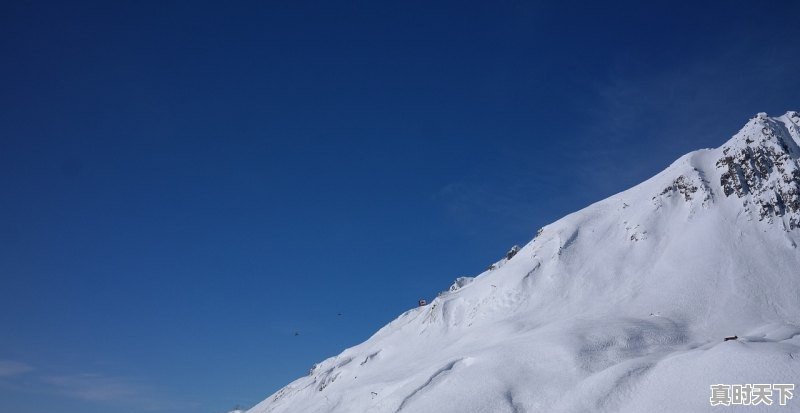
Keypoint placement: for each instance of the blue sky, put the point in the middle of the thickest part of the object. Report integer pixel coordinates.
(186, 184)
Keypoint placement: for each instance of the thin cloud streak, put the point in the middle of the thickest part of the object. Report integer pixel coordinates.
(93, 387)
(9, 368)
(21, 377)
(633, 124)
(101, 388)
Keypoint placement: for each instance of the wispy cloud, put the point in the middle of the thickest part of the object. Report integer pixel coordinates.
(632, 123)
(93, 387)
(10, 368)
(101, 388)
(18, 376)
(643, 116)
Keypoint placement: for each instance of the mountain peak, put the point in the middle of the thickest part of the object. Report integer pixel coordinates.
(760, 166)
(618, 307)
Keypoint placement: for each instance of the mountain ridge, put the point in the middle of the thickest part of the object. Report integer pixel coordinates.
(609, 307)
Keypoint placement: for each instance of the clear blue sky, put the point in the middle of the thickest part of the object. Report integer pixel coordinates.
(186, 184)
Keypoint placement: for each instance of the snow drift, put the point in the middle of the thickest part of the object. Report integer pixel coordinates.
(619, 307)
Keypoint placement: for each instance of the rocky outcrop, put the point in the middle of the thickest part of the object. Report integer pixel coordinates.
(760, 166)
(682, 186)
(510, 254)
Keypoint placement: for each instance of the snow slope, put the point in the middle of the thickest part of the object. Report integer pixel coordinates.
(619, 307)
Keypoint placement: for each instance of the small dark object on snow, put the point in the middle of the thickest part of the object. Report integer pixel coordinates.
(512, 252)
(731, 338)
(422, 303)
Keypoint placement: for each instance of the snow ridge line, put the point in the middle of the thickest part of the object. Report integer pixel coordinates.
(447, 368)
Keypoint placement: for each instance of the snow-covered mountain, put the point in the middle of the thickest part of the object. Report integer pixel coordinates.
(622, 306)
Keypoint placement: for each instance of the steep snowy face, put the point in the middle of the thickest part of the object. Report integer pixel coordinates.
(761, 167)
(622, 306)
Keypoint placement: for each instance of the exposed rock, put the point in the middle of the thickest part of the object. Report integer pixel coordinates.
(762, 165)
(512, 252)
(690, 187)
(682, 186)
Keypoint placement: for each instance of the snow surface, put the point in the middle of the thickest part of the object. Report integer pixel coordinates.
(619, 307)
